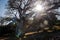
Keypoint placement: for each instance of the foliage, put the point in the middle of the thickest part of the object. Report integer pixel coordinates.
(30, 19)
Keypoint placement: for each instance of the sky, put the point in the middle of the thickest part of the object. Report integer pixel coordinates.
(3, 6)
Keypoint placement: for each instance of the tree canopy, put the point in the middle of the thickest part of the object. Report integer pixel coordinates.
(27, 10)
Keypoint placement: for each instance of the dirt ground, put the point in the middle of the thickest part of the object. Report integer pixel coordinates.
(55, 35)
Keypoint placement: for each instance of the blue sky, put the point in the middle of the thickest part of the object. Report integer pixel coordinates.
(3, 4)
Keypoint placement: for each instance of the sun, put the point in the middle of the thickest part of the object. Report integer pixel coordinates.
(39, 7)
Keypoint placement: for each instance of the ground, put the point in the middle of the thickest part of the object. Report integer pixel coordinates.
(55, 35)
